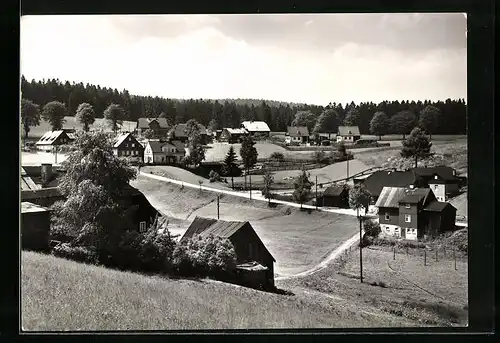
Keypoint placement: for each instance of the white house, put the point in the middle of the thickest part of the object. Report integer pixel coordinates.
(157, 152)
(297, 134)
(256, 128)
(348, 134)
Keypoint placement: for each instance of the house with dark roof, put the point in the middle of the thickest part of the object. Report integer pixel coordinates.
(250, 250)
(179, 133)
(413, 213)
(163, 152)
(232, 135)
(35, 226)
(297, 134)
(336, 195)
(159, 126)
(442, 180)
(126, 145)
(53, 139)
(375, 182)
(256, 128)
(348, 134)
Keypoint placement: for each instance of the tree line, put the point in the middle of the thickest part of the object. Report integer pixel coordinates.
(451, 114)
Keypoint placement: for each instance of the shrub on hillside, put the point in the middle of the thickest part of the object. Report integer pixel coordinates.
(214, 176)
(372, 228)
(277, 156)
(75, 253)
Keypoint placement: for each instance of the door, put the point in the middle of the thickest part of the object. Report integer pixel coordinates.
(403, 233)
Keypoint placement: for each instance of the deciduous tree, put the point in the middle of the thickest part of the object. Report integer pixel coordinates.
(268, 182)
(379, 125)
(417, 145)
(85, 115)
(54, 113)
(352, 117)
(115, 115)
(403, 122)
(429, 119)
(30, 115)
(302, 187)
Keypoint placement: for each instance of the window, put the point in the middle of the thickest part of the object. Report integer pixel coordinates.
(387, 216)
(142, 226)
(407, 206)
(435, 186)
(132, 145)
(407, 218)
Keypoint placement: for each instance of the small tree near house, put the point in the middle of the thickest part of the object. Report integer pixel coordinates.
(302, 187)
(268, 182)
(229, 166)
(248, 154)
(115, 115)
(379, 125)
(85, 115)
(30, 115)
(54, 113)
(417, 145)
(429, 119)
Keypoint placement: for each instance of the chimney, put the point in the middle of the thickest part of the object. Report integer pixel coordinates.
(46, 173)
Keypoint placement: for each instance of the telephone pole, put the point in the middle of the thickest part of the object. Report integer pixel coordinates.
(347, 166)
(250, 180)
(316, 192)
(218, 217)
(360, 251)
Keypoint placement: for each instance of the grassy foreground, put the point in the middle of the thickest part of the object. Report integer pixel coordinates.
(61, 295)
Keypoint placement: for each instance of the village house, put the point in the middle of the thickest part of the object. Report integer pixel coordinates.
(126, 145)
(159, 126)
(348, 134)
(53, 139)
(336, 195)
(413, 213)
(216, 134)
(35, 227)
(179, 133)
(375, 182)
(163, 152)
(255, 264)
(297, 134)
(443, 180)
(256, 128)
(232, 135)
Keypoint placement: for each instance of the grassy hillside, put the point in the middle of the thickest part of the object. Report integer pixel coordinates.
(57, 294)
(298, 240)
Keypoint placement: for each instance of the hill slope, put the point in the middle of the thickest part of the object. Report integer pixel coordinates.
(62, 295)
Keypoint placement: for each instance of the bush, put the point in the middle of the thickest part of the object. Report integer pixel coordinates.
(156, 249)
(75, 253)
(214, 176)
(277, 156)
(372, 228)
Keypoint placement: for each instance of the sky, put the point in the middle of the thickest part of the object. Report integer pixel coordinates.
(303, 58)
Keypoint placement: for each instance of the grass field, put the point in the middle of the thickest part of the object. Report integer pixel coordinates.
(57, 294)
(435, 294)
(298, 240)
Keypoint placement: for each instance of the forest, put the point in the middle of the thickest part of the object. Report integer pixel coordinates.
(450, 113)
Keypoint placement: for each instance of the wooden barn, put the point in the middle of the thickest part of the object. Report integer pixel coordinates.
(255, 264)
(335, 196)
(35, 227)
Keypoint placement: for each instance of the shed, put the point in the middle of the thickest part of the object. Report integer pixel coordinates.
(335, 196)
(247, 244)
(35, 227)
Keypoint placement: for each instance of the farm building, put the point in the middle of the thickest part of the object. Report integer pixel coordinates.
(297, 134)
(35, 226)
(144, 214)
(52, 139)
(256, 128)
(159, 126)
(335, 196)
(232, 135)
(375, 182)
(158, 152)
(255, 264)
(179, 133)
(216, 134)
(348, 134)
(126, 145)
(443, 180)
(413, 213)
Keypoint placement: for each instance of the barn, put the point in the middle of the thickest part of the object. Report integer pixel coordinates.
(35, 227)
(255, 264)
(335, 196)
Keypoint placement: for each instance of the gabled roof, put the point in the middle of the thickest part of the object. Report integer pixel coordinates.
(179, 146)
(297, 131)
(220, 228)
(390, 196)
(417, 195)
(236, 131)
(437, 206)
(30, 207)
(50, 137)
(27, 182)
(334, 190)
(180, 130)
(348, 131)
(121, 138)
(156, 145)
(380, 179)
(143, 123)
(256, 126)
(444, 172)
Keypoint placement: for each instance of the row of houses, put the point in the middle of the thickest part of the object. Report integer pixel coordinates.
(301, 134)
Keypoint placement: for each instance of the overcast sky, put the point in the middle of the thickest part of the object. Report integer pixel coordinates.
(315, 59)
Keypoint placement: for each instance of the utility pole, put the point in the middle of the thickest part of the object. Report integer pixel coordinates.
(360, 250)
(347, 167)
(316, 192)
(218, 216)
(55, 154)
(250, 180)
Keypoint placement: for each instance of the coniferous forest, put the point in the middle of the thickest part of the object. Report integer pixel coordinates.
(451, 117)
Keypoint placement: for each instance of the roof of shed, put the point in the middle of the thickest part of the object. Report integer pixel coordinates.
(348, 131)
(49, 137)
(143, 123)
(30, 207)
(437, 206)
(255, 126)
(334, 190)
(298, 131)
